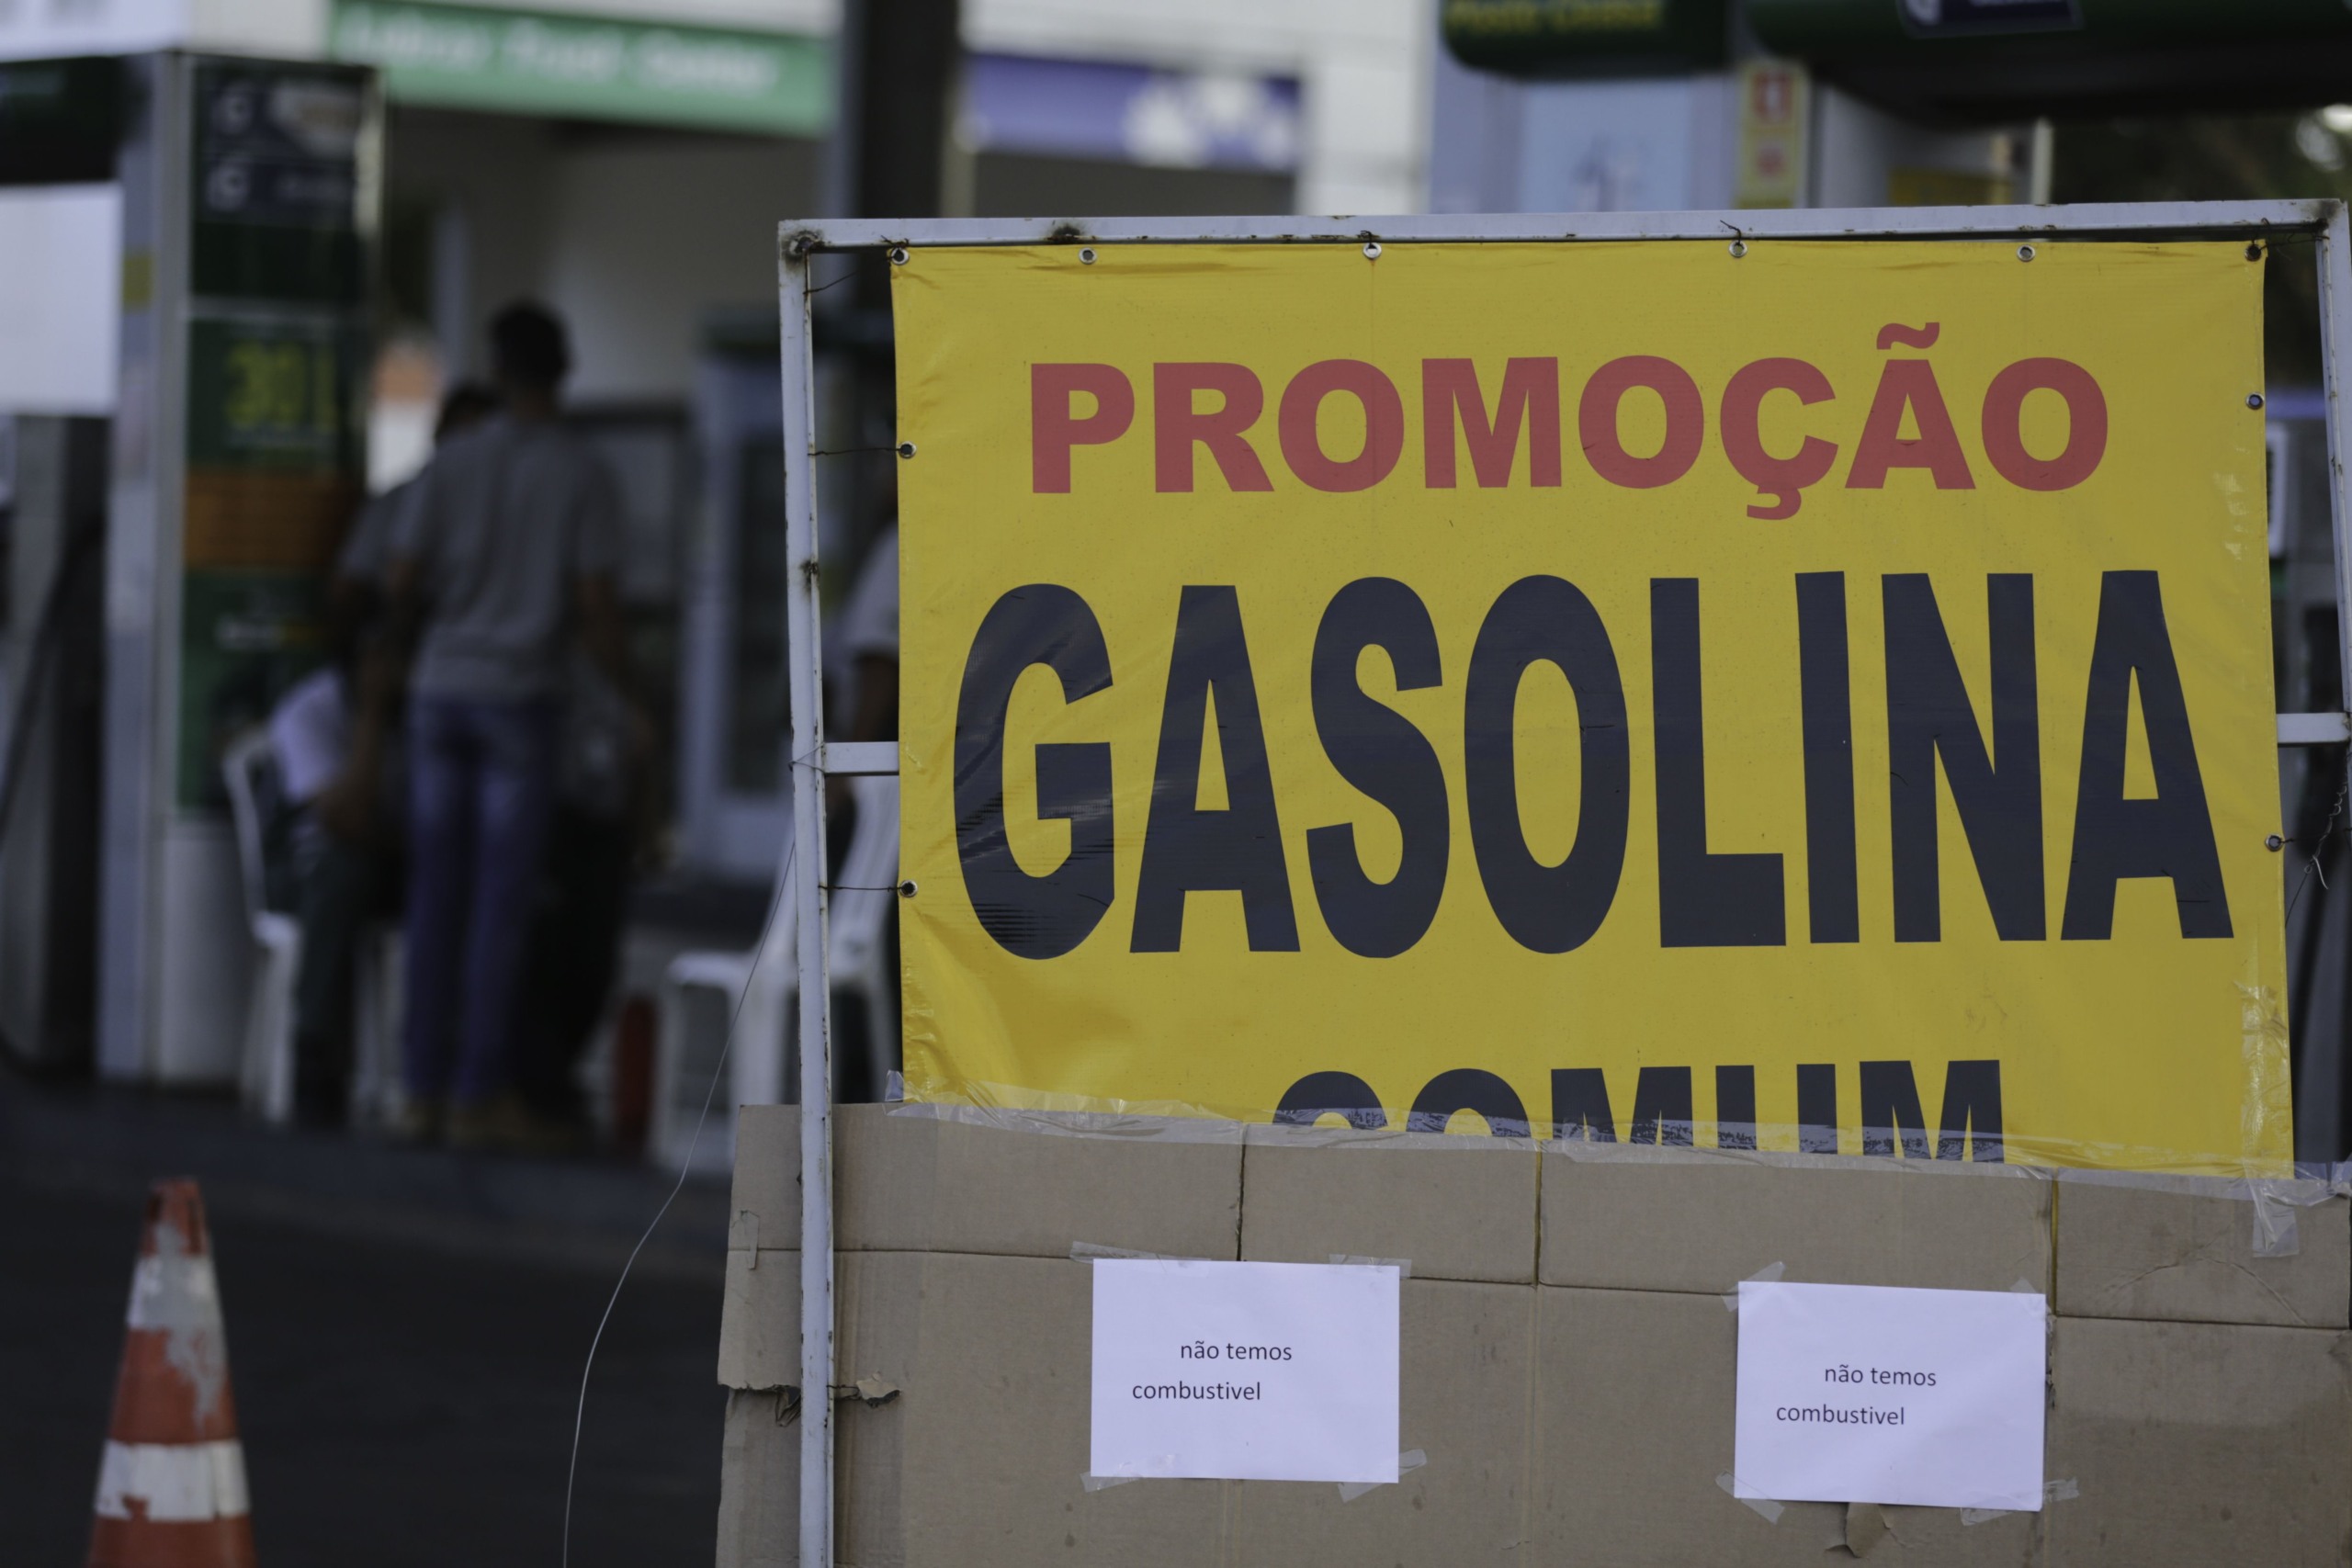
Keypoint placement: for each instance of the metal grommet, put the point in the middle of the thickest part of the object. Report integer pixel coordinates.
(2273, 843)
(2025, 253)
(1086, 255)
(906, 448)
(2254, 400)
(897, 256)
(1372, 250)
(2254, 250)
(907, 889)
(1738, 248)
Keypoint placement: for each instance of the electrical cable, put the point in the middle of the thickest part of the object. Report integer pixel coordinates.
(686, 1163)
(2319, 849)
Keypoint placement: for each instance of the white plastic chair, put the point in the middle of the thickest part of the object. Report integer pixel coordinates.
(756, 990)
(265, 1078)
(758, 987)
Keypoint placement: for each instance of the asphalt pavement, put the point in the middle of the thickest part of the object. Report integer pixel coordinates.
(405, 1332)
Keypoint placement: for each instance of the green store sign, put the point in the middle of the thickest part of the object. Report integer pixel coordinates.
(589, 67)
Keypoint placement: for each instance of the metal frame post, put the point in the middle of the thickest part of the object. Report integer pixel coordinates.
(806, 656)
(2323, 219)
(2334, 338)
(2115, 220)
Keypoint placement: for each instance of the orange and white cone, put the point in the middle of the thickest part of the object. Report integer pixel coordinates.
(171, 1485)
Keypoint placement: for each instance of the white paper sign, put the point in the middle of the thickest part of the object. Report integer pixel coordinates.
(1862, 1393)
(1244, 1371)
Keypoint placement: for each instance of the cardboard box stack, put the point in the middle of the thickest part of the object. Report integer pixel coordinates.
(1568, 1349)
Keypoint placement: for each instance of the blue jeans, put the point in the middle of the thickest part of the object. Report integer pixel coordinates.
(481, 790)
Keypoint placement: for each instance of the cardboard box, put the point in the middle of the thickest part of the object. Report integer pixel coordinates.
(763, 1202)
(923, 1183)
(980, 1461)
(2196, 1444)
(1467, 1354)
(1584, 1421)
(2184, 1252)
(759, 1322)
(980, 1457)
(759, 1483)
(1631, 1451)
(1454, 1208)
(948, 1470)
(1643, 1220)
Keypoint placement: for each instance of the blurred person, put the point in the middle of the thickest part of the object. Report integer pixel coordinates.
(355, 590)
(507, 552)
(335, 738)
(582, 908)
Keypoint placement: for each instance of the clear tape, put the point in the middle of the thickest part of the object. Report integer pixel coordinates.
(2048, 1314)
(1764, 1505)
(1013, 1110)
(1403, 1266)
(1133, 1127)
(1770, 1274)
(2311, 1183)
(1586, 1151)
(2277, 1230)
(1408, 1460)
(2052, 1491)
(1393, 1136)
(1866, 1526)
(1090, 1252)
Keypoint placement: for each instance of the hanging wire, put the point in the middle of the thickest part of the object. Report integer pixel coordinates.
(580, 1415)
(2319, 846)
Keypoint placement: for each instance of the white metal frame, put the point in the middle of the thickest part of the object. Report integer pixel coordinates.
(2323, 222)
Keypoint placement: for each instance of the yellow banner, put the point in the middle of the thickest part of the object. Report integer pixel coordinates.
(1816, 697)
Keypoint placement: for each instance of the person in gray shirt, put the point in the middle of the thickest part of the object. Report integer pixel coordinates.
(337, 738)
(503, 561)
(355, 587)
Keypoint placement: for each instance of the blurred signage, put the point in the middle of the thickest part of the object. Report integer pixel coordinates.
(276, 339)
(276, 149)
(61, 121)
(1571, 37)
(1084, 109)
(1942, 19)
(592, 67)
(2111, 26)
(1773, 113)
(47, 29)
(1818, 698)
(1986, 61)
(275, 184)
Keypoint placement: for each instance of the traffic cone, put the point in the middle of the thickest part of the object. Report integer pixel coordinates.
(172, 1486)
